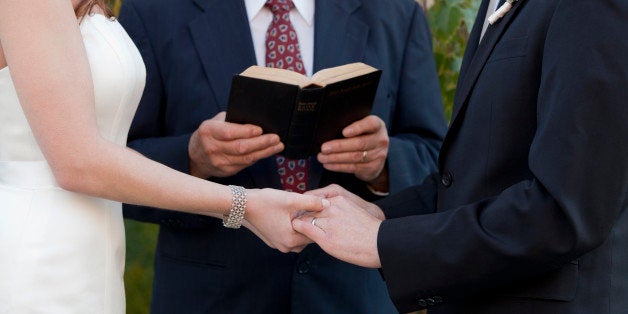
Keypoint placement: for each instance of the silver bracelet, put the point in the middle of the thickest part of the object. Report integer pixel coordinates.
(238, 208)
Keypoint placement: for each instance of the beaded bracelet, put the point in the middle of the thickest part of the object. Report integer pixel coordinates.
(238, 208)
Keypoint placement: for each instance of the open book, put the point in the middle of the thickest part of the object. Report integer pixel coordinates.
(304, 112)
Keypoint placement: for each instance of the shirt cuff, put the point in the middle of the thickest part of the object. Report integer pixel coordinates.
(378, 193)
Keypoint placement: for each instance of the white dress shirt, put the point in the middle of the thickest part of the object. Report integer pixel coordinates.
(492, 7)
(302, 18)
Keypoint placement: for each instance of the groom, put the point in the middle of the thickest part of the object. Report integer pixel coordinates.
(192, 48)
(528, 212)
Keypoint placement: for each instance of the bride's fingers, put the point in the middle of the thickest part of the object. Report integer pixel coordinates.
(311, 227)
(308, 203)
(327, 192)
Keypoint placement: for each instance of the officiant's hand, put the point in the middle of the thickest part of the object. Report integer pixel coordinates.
(362, 152)
(221, 149)
(270, 212)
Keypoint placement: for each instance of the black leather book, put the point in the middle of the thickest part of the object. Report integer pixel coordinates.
(304, 112)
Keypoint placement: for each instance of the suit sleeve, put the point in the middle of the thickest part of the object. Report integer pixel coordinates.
(148, 128)
(418, 126)
(579, 159)
(417, 200)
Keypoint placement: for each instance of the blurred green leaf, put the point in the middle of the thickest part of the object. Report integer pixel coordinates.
(141, 239)
(114, 5)
(450, 23)
(453, 23)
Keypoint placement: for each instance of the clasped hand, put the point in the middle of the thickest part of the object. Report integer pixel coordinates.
(341, 223)
(345, 226)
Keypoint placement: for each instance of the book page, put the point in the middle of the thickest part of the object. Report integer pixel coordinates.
(340, 73)
(277, 75)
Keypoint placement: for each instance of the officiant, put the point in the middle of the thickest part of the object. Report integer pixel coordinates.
(192, 48)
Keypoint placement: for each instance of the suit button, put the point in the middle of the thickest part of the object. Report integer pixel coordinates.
(446, 179)
(303, 267)
(430, 301)
(422, 303)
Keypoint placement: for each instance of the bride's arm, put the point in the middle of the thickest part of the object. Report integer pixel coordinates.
(43, 46)
(44, 49)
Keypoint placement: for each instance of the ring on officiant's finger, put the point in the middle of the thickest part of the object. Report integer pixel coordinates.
(363, 156)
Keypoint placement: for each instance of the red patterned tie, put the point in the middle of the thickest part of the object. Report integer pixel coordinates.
(282, 51)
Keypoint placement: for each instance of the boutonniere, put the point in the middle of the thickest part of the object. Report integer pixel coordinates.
(501, 11)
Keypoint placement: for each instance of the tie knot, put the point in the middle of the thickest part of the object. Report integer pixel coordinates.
(277, 6)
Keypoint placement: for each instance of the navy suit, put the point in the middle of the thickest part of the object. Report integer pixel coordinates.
(532, 188)
(192, 48)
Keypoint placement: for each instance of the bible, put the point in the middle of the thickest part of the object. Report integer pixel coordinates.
(304, 112)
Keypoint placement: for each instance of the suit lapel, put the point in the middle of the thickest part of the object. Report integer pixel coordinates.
(339, 37)
(223, 43)
(473, 63)
(473, 41)
(485, 47)
(223, 40)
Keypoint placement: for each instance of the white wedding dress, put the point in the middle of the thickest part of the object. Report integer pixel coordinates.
(62, 252)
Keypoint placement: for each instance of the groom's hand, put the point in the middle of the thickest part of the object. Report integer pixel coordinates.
(221, 149)
(334, 190)
(344, 230)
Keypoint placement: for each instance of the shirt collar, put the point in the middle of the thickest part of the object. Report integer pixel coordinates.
(304, 7)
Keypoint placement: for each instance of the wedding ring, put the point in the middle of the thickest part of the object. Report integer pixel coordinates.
(315, 225)
(363, 156)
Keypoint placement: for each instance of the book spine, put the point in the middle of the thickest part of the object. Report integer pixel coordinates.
(303, 124)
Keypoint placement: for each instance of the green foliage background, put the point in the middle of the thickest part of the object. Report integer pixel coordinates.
(450, 23)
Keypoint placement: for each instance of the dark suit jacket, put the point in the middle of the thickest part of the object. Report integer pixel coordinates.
(192, 48)
(532, 188)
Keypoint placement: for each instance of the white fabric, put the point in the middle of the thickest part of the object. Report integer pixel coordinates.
(62, 252)
(492, 7)
(302, 18)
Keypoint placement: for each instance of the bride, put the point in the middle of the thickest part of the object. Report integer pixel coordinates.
(70, 81)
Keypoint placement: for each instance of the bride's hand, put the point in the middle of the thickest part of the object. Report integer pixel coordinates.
(270, 212)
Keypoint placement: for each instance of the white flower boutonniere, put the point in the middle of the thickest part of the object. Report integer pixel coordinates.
(501, 11)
